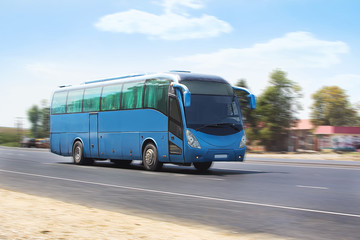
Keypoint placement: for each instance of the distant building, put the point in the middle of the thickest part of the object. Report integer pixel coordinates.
(338, 138)
(302, 137)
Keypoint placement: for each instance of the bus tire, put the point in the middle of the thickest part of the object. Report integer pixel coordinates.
(78, 154)
(150, 158)
(202, 166)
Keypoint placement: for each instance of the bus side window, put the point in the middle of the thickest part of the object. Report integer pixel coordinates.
(74, 101)
(92, 99)
(156, 94)
(132, 95)
(110, 99)
(58, 105)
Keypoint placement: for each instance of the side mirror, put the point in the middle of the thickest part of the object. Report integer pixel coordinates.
(186, 93)
(252, 101)
(187, 98)
(252, 98)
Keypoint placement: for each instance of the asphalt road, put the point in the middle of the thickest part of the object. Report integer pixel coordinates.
(300, 199)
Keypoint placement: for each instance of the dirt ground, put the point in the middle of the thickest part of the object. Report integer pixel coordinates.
(30, 217)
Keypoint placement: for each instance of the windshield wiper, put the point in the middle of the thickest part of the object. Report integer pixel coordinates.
(208, 125)
(217, 125)
(231, 125)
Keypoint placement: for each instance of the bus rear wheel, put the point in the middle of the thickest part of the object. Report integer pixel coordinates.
(202, 166)
(78, 154)
(150, 158)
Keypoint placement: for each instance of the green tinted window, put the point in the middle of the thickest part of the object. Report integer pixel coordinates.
(155, 96)
(110, 99)
(74, 101)
(92, 99)
(59, 103)
(132, 95)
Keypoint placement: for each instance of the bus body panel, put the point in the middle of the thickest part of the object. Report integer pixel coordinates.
(228, 150)
(136, 120)
(218, 142)
(110, 145)
(65, 123)
(65, 129)
(55, 143)
(119, 133)
(130, 148)
(114, 135)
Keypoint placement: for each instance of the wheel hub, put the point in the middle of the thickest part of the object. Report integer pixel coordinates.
(77, 154)
(149, 157)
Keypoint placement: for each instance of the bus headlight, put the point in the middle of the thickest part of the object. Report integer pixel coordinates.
(191, 140)
(243, 141)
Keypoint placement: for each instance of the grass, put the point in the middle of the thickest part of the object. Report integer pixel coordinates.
(10, 137)
(10, 144)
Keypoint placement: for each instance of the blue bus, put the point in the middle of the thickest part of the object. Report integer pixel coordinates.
(176, 117)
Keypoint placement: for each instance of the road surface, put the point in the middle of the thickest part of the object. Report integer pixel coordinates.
(300, 199)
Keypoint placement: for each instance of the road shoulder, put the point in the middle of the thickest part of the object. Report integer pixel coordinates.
(30, 217)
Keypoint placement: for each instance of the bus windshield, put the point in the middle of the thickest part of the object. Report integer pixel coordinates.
(214, 108)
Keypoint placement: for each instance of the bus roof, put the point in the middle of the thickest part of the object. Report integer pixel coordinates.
(176, 76)
(200, 77)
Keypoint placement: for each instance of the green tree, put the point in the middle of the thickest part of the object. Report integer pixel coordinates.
(45, 119)
(39, 118)
(331, 107)
(34, 115)
(277, 107)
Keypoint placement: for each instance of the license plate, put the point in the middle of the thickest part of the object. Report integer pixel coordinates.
(220, 156)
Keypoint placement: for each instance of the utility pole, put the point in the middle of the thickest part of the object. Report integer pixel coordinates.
(19, 127)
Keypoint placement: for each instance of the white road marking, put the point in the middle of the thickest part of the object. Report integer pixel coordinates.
(313, 187)
(179, 175)
(215, 179)
(187, 195)
(300, 166)
(151, 173)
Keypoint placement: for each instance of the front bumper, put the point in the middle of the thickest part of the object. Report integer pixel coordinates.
(212, 155)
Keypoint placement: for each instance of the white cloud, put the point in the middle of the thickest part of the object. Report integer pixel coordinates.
(293, 51)
(169, 26)
(300, 54)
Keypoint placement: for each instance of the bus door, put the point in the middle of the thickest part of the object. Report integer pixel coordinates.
(93, 135)
(176, 144)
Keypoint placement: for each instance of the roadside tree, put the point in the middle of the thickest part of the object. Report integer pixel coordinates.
(39, 119)
(277, 108)
(332, 107)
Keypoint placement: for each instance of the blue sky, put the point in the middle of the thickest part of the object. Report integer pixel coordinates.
(45, 44)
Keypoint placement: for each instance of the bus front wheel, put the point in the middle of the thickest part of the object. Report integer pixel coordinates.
(202, 166)
(150, 158)
(78, 154)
